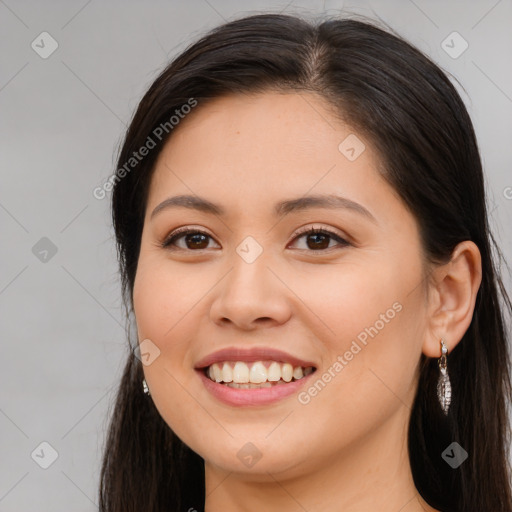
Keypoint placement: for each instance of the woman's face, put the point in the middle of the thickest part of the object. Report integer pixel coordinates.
(268, 302)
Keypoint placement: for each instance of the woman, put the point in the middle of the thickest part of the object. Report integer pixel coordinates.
(304, 245)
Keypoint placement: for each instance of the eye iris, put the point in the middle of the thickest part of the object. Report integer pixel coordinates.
(197, 242)
(316, 239)
(319, 244)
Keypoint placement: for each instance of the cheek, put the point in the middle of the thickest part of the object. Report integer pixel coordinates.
(370, 319)
(162, 297)
(161, 303)
(348, 299)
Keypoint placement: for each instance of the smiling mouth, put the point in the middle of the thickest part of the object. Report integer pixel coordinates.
(259, 374)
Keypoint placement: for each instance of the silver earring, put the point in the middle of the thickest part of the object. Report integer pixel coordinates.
(444, 387)
(145, 387)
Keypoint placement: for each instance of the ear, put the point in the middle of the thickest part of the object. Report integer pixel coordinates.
(452, 296)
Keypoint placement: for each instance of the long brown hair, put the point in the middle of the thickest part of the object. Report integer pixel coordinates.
(409, 109)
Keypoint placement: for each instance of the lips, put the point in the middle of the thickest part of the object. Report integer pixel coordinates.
(251, 377)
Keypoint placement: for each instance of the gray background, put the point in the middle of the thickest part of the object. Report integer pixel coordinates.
(61, 122)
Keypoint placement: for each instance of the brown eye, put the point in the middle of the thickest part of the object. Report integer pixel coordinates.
(197, 240)
(194, 239)
(319, 239)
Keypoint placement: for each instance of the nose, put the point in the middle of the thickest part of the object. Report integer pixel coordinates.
(251, 295)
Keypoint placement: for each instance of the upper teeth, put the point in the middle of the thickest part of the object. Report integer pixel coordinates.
(259, 372)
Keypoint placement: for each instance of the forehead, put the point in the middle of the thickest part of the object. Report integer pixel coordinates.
(293, 117)
(250, 149)
(263, 130)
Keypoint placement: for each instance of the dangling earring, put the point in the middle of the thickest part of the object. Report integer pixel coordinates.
(145, 387)
(444, 387)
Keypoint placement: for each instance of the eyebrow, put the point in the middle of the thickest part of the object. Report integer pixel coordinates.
(280, 209)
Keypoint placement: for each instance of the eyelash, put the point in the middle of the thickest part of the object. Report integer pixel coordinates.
(180, 232)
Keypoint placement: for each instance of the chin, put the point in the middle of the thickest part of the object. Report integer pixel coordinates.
(257, 459)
